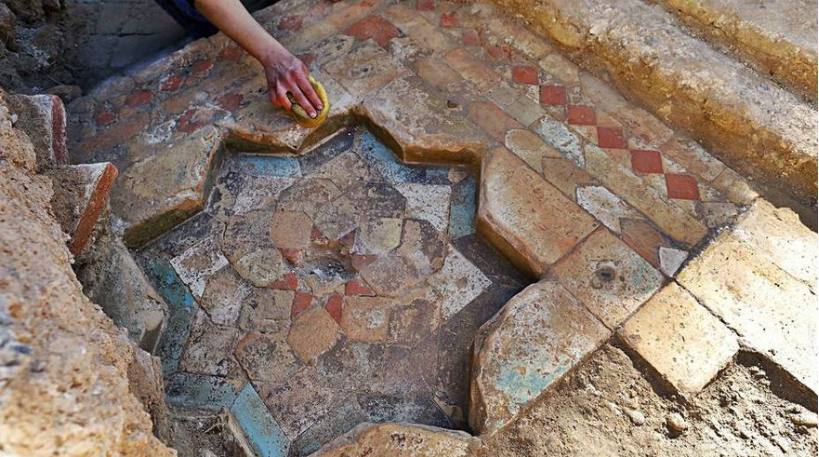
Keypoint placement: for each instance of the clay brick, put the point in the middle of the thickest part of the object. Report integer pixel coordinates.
(553, 95)
(646, 161)
(301, 301)
(290, 23)
(80, 196)
(139, 98)
(471, 38)
(610, 137)
(170, 83)
(525, 74)
(449, 19)
(581, 115)
(201, 67)
(425, 5)
(374, 27)
(682, 186)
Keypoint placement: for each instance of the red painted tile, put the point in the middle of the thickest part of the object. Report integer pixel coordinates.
(682, 186)
(170, 83)
(139, 98)
(105, 117)
(334, 305)
(317, 237)
(230, 102)
(425, 5)
(581, 115)
(289, 282)
(201, 67)
(501, 52)
(610, 137)
(357, 287)
(290, 23)
(375, 27)
(471, 38)
(301, 301)
(91, 213)
(525, 74)
(553, 95)
(646, 161)
(189, 122)
(449, 19)
(231, 53)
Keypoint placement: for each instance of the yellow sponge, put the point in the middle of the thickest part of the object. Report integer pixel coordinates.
(301, 116)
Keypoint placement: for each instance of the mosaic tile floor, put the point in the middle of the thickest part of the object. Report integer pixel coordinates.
(343, 285)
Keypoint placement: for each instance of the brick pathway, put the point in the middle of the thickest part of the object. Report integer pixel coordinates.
(275, 281)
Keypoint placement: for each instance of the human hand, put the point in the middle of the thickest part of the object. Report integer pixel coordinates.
(286, 73)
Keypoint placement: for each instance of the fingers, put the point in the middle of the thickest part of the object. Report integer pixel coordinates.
(309, 92)
(302, 100)
(279, 97)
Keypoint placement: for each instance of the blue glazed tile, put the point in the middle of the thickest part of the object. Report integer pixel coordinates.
(200, 392)
(264, 165)
(181, 306)
(259, 427)
(462, 209)
(381, 159)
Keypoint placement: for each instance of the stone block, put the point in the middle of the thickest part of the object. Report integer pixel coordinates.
(42, 117)
(609, 277)
(681, 339)
(739, 278)
(532, 222)
(400, 440)
(80, 196)
(538, 337)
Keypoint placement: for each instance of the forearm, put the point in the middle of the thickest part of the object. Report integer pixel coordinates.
(231, 17)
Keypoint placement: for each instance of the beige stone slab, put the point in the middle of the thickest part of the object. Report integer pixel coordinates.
(527, 217)
(400, 440)
(684, 342)
(608, 276)
(538, 336)
(778, 234)
(772, 311)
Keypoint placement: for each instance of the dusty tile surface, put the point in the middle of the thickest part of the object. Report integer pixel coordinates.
(341, 289)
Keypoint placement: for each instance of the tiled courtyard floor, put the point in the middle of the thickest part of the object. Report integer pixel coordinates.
(345, 286)
(317, 281)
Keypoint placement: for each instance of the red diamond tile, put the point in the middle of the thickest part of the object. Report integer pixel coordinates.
(553, 95)
(289, 282)
(290, 23)
(502, 52)
(449, 19)
(425, 5)
(682, 186)
(231, 53)
(333, 306)
(610, 137)
(471, 38)
(201, 67)
(525, 74)
(357, 287)
(301, 301)
(646, 161)
(105, 117)
(139, 98)
(581, 115)
(375, 27)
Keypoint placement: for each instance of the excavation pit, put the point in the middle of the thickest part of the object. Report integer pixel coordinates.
(334, 288)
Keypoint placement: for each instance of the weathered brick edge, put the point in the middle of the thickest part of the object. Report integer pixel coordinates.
(91, 214)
